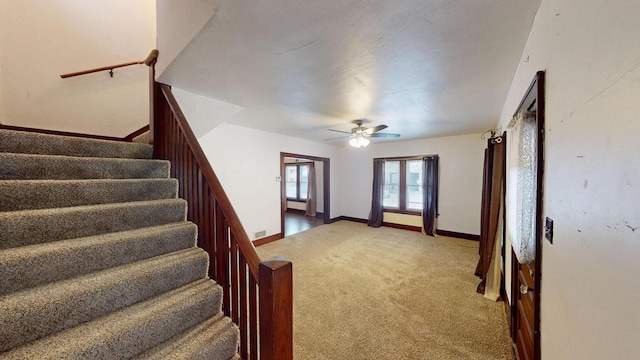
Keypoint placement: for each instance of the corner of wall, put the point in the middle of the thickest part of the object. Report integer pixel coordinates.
(177, 23)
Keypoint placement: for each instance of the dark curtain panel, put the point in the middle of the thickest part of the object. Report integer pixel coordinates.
(484, 208)
(430, 171)
(375, 216)
(492, 193)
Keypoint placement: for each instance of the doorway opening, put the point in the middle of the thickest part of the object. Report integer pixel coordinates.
(302, 208)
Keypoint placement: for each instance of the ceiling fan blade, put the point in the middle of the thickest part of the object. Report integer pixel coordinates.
(340, 131)
(375, 129)
(385, 135)
(339, 137)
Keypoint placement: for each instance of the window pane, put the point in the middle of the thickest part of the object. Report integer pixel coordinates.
(414, 184)
(291, 190)
(291, 173)
(303, 191)
(304, 173)
(291, 177)
(304, 181)
(391, 194)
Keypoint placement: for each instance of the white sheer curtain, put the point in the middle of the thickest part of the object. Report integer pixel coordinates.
(521, 185)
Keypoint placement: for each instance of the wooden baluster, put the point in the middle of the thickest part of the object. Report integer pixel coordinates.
(222, 256)
(169, 134)
(183, 166)
(253, 318)
(174, 150)
(178, 163)
(193, 177)
(186, 172)
(185, 176)
(190, 188)
(206, 223)
(196, 196)
(213, 266)
(201, 200)
(276, 309)
(234, 279)
(187, 182)
(243, 320)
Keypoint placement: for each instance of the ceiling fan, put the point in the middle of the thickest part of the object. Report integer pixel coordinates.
(359, 134)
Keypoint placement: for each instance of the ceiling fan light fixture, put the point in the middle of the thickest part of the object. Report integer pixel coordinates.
(359, 135)
(359, 141)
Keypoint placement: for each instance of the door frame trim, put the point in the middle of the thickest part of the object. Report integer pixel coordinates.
(534, 97)
(326, 213)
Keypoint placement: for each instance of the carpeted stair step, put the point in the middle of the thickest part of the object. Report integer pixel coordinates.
(130, 331)
(42, 194)
(34, 313)
(28, 227)
(214, 339)
(34, 143)
(144, 138)
(29, 266)
(97, 260)
(56, 167)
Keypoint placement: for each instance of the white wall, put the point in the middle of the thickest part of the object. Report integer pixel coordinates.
(203, 113)
(590, 284)
(247, 162)
(461, 161)
(181, 21)
(41, 39)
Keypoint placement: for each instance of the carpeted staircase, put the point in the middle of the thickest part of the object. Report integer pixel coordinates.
(96, 258)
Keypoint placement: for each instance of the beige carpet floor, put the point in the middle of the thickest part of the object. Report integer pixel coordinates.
(365, 293)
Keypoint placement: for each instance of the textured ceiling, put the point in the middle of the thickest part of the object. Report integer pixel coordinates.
(424, 68)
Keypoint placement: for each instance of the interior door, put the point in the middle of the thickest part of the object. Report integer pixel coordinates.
(526, 278)
(525, 301)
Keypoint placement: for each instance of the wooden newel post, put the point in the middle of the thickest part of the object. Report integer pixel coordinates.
(276, 309)
(152, 102)
(158, 127)
(150, 61)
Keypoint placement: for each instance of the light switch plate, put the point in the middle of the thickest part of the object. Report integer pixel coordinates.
(548, 230)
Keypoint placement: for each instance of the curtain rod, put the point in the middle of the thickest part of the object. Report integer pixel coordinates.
(416, 157)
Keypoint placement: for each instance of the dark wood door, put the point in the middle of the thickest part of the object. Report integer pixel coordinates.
(525, 302)
(526, 278)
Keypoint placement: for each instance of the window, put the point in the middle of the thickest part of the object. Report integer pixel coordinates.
(403, 186)
(414, 185)
(296, 181)
(391, 184)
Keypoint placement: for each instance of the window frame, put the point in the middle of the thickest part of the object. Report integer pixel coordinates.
(402, 187)
(297, 165)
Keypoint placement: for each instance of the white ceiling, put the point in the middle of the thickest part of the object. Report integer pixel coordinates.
(425, 68)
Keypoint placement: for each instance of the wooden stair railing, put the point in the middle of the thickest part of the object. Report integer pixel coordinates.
(151, 59)
(258, 295)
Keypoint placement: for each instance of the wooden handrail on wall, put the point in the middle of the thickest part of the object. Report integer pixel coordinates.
(148, 61)
(258, 295)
